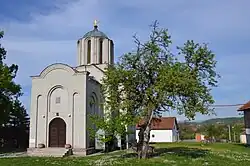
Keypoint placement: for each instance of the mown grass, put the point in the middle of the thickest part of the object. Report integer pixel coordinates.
(174, 154)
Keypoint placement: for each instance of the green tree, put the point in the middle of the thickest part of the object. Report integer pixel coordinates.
(237, 130)
(12, 112)
(18, 116)
(186, 131)
(152, 80)
(213, 132)
(9, 90)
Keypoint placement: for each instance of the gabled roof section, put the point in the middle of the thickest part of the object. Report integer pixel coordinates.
(87, 65)
(54, 67)
(245, 107)
(163, 123)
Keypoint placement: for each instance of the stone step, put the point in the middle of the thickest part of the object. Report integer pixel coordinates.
(50, 150)
(53, 152)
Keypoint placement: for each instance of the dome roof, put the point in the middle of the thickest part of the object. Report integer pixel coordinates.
(95, 33)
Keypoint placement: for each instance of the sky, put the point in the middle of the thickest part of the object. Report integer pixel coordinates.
(39, 33)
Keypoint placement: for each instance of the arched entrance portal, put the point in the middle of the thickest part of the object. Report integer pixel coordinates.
(57, 133)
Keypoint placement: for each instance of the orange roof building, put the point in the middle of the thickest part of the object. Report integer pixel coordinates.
(163, 129)
(246, 109)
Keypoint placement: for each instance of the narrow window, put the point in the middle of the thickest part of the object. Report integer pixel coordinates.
(89, 52)
(100, 51)
(112, 52)
(58, 100)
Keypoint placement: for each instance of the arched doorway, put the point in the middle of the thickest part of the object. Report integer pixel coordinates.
(57, 133)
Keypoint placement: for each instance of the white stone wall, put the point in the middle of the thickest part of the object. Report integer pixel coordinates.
(82, 51)
(159, 136)
(58, 80)
(97, 71)
(93, 94)
(61, 91)
(243, 139)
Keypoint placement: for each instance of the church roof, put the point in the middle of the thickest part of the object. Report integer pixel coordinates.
(95, 33)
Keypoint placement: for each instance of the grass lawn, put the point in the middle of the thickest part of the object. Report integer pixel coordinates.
(174, 154)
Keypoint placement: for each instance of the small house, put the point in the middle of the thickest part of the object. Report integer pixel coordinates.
(199, 137)
(243, 138)
(246, 110)
(163, 129)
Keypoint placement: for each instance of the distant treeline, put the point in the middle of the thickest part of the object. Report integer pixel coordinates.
(217, 129)
(228, 121)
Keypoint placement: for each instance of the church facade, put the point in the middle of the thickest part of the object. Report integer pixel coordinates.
(62, 97)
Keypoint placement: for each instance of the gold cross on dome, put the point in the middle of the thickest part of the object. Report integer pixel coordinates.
(95, 23)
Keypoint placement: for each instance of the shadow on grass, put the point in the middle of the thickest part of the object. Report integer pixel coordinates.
(242, 145)
(178, 151)
(11, 150)
(181, 151)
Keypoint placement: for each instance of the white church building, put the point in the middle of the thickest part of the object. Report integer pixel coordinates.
(62, 96)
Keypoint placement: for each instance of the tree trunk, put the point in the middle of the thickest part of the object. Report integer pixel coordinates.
(146, 134)
(140, 142)
(143, 143)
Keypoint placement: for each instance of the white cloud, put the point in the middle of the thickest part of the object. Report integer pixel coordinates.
(52, 38)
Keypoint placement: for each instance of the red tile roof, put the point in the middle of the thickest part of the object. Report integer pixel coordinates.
(164, 123)
(245, 107)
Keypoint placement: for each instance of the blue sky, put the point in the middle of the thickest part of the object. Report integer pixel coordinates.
(41, 32)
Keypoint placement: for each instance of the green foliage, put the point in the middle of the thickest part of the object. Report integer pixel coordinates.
(237, 130)
(213, 131)
(186, 131)
(9, 91)
(179, 154)
(221, 131)
(153, 80)
(12, 112)
(18, 116)
(230, 120)
(217, 128)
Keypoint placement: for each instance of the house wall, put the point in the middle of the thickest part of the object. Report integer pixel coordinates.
(175, 133)
(199, 137)
(243, 139)
(247, 125)
(160, 136)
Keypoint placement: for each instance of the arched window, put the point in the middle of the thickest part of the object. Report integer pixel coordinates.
(89, 52)
(100, 51)
(93, 103)
(112, 52)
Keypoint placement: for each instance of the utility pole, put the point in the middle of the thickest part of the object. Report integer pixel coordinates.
(127, 138)
(229, 133)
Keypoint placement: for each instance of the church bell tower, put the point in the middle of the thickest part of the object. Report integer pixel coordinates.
(95, 48)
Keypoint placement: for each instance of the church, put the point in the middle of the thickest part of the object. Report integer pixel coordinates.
(62, 96)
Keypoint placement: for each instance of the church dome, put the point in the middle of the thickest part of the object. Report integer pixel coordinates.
(95, 33)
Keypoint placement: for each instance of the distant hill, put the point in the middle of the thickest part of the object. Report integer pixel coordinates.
(230, 120)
